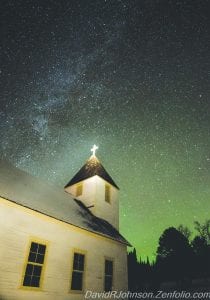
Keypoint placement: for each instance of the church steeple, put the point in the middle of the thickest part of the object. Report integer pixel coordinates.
(96, 189)
(91, 168)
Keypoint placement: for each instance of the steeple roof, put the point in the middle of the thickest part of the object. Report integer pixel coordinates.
(91, 168)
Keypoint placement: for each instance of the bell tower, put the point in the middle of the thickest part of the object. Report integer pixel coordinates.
(95, 188)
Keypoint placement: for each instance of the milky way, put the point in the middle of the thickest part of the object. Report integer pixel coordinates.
(130, 76)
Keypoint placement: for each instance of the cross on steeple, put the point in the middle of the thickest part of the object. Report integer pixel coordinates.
(94, 149)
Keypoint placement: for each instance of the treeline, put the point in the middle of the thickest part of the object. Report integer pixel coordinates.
(180, 258)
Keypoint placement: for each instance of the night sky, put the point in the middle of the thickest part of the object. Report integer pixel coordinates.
(131, 76)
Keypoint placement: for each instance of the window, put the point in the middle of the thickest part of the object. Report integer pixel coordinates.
(108, 275)
(78, 272)
(107, 193)
(34, 265)
(79, 189)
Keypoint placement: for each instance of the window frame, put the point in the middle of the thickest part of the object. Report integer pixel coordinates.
(106, 275)
(79, 189)
(107, 193)
(84, 253)
(27, 262)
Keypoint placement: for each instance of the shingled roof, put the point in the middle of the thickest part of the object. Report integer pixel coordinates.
(91, 168)
(26, 190)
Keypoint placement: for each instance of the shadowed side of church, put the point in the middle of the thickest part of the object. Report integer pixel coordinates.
(60, 243)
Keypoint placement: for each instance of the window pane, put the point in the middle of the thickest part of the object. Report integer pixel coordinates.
(27, 280)
(37, 270)
(41, 249)
(76, 283)
(32, 257)
(39, 258)
(29, 269)
(78, 261)
(81, 262)
(75, 264)
(34, 247)
(107, 193)
(108, 283)
(79, 189)
(108, 267)
(35, 281)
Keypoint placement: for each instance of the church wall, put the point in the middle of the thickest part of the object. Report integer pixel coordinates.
(103, 209)
(88, 195)
(19, 226)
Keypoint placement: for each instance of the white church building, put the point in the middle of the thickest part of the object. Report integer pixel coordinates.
(56, 243)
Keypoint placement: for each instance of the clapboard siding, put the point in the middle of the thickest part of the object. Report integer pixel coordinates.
(19, 225)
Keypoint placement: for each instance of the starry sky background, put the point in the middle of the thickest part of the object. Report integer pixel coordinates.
(130, 76)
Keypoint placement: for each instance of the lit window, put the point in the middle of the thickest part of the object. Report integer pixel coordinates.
(107, 193)
(108, 275)
(79, 189)
(34, 265)
(78, 272)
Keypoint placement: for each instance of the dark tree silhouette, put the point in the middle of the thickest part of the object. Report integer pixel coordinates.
(201, 261)
(133, 271)
(177, 260)
(201, 249)
(140, 273)
(185, 231)
(174, 256)
(203, 230)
